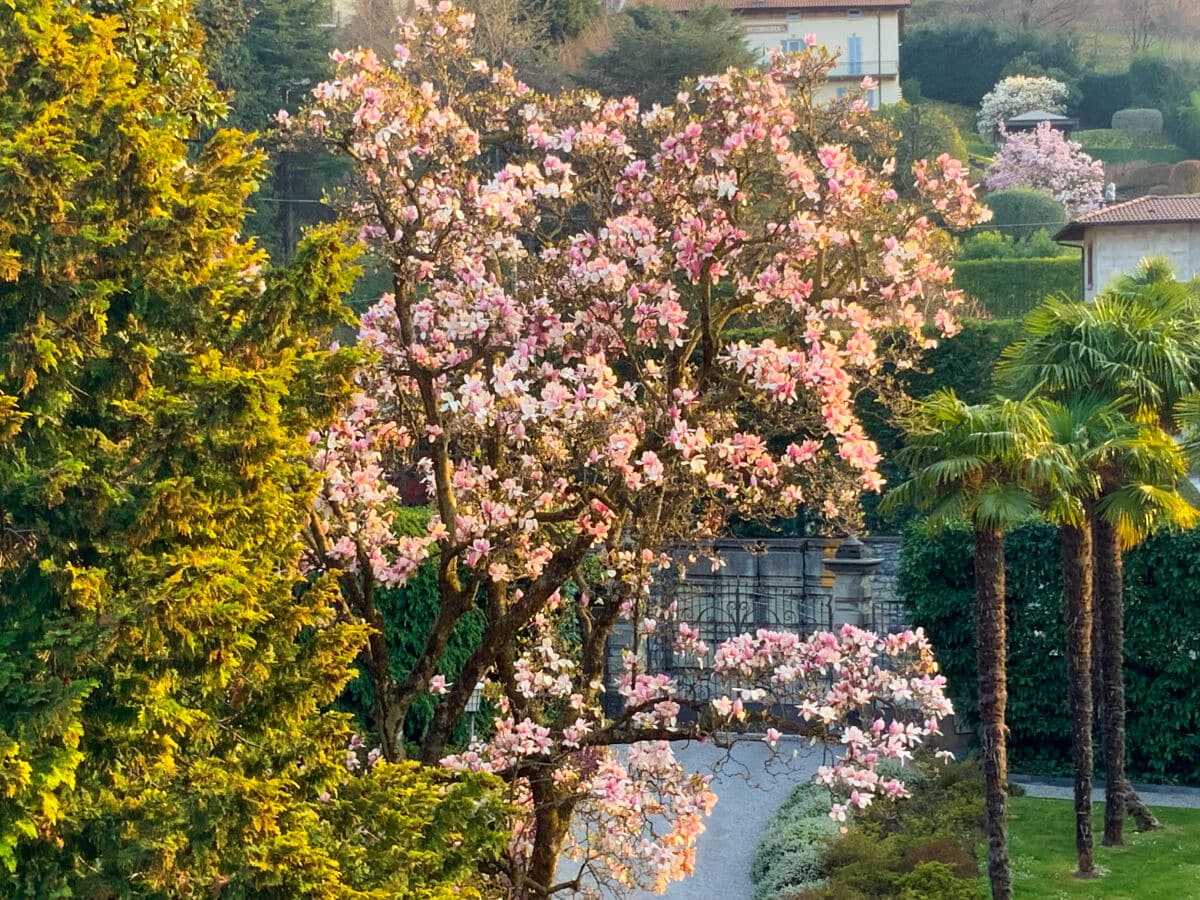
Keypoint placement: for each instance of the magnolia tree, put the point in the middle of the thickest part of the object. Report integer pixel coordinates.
(610, 329)
(1045, 159)
(1016, 95)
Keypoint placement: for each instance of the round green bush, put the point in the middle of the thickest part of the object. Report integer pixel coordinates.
(1019, 212)
(1138, 121)
(1161, 190)
(1185, 177)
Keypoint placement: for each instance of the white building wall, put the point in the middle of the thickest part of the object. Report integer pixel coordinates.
(1118, 249)
(878, 34)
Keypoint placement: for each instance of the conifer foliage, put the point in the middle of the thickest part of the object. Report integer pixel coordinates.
(165, 671)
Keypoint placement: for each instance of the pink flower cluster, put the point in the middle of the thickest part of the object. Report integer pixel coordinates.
(1046, 160)
(832, 678)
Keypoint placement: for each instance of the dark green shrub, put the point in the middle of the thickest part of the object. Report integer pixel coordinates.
(1100, 96)
(934, 56)
(1162, 578)
(1187, 124)
(408, 615)
(1162, 646)
(1011, 287)
(964, 363)
(1019, 212)
(1154, 83)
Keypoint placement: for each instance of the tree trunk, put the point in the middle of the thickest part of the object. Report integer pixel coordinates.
(1077, 608)
(552, 817)
(1110, 606)
(991, 636)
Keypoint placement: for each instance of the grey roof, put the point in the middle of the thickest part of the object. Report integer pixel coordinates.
(1040, 115)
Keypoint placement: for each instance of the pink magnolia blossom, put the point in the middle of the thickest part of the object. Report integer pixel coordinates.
(1044, 159)
(563, 367)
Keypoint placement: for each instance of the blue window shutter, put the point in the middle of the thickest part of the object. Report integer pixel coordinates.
(854, 54)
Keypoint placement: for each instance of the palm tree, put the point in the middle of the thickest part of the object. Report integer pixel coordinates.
(975, 463)
(1138, 345)
(1122, 484)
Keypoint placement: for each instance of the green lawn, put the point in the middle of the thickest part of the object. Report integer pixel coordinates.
(1160, 865)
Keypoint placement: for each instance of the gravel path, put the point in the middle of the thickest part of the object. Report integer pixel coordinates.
(1152, 794)
(748, 794)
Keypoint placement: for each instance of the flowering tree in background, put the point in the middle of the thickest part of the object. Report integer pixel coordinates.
(1044, 159)
(609, 329)
(1019, 94)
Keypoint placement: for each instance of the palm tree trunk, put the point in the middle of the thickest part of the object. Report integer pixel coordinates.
(1119, 794)
(991, 637)
(1077, 608)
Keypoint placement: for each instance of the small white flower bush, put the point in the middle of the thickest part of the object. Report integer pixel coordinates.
(1019, 94)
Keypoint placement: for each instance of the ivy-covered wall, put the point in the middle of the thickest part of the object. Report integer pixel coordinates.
(1162, 651)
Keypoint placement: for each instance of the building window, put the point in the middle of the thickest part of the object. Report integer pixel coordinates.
(793, 15)
(854, 14)
(792, 45)
(1089, 261)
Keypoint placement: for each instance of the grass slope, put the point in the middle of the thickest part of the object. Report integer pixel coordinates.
(1160, 865)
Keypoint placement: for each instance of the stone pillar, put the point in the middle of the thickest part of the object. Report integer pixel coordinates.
(852, 568)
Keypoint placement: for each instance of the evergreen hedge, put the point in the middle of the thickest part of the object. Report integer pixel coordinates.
(1012, 287)
(1162, 579)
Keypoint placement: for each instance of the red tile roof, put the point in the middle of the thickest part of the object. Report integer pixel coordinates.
(1177, 209)
(750, 5)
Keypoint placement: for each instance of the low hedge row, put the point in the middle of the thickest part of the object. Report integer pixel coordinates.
(1162, 647)
(791, 856)
(1009, 288)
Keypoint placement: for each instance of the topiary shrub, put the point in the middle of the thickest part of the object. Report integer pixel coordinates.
(1161, 190)
(1019, 212)
(1185, 177)
(1138, 121)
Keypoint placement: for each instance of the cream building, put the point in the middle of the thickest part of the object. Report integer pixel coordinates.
(865, 33)
(1116, 238)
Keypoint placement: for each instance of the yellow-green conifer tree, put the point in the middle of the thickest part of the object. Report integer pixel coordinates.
(166, 671)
